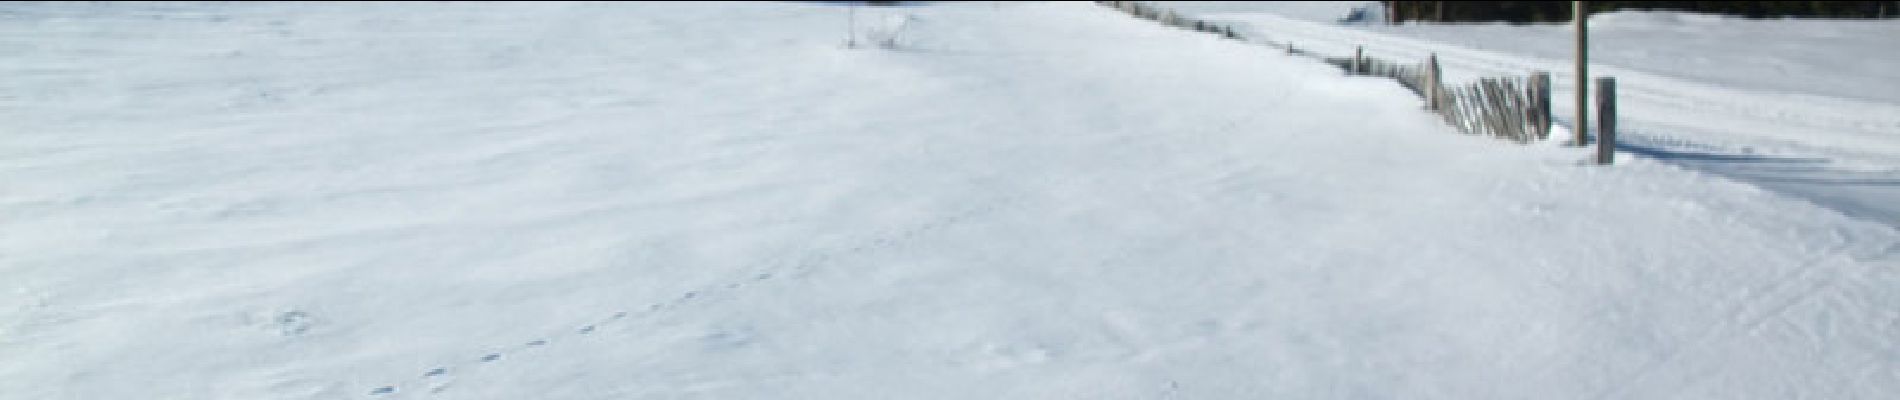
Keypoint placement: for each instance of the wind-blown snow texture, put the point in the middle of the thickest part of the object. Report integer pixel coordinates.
(717, 200)
(1806, 108)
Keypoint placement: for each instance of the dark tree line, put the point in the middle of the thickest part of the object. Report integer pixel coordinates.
(1559, 11)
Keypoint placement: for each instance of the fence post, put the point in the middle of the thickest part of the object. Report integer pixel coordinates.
(1540, 104)
(1581, 18)
(1358, 55)
(1434, 86)
(1606, 120)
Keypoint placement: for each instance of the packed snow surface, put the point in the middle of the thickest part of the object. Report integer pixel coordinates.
(721, 200)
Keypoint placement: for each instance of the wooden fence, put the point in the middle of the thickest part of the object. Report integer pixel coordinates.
(1511, 108)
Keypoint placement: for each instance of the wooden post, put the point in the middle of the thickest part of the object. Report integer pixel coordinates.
(1434, 84)
(1358, 63)
(1583, 70)
(1540, 104)
(1606, 120)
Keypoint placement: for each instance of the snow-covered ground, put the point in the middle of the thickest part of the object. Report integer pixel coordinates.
(1808, 108)
(718, 200)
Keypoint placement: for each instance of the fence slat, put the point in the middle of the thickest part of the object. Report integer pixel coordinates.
(1537, 112)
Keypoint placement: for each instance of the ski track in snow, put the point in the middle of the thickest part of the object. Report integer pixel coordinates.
(1744, 315)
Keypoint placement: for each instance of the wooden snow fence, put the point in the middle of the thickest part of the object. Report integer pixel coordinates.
(1513, 108)
(1168, 17)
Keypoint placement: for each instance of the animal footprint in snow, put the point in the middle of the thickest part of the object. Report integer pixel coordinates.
(438, 380)
(724, 339)
(293, 323)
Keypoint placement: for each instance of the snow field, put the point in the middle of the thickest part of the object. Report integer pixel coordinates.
(503, 200)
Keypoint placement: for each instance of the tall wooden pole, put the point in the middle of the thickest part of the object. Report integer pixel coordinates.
(1583, 70)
